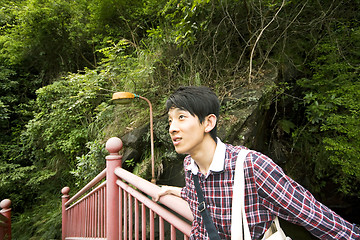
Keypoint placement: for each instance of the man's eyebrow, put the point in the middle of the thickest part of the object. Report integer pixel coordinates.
(176, 110)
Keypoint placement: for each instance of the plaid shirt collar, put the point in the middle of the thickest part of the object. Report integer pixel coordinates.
(217, 164)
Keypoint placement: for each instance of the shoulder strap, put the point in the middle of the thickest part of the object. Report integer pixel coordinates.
(238, 216)
(209, 225)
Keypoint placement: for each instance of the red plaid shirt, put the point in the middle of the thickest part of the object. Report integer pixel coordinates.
(268, 193)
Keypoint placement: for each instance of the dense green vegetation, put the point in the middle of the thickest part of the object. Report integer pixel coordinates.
(61, 60)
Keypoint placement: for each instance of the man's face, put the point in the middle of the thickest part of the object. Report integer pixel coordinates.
(186, 131)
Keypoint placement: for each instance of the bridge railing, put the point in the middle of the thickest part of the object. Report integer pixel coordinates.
(5, 220)
(117, 204)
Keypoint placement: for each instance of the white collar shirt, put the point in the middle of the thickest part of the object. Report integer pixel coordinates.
(217, 164)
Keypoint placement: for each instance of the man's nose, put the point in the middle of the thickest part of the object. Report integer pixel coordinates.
(173, 128)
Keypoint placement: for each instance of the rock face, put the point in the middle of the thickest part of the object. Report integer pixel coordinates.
(134, 143)
(240, 119)
(240, 123)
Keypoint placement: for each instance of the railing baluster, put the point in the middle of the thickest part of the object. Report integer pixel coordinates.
(121, 213)
(68, 230)
(125, 215)
(173, 232)
(161, 228)
(82, 218)
(93, 232)
(104, 213)
(96, 223)
(86, 216)
(130, 217)
(152, 225)
(70, 218)
(143, 221)
(101, 214)
(92, 216)
(136, 219)
(75, 221)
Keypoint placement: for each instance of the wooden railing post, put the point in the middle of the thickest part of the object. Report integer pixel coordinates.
(65, 197)
(113, 146)
(6, 211)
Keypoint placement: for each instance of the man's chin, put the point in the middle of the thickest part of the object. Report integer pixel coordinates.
(179, 150)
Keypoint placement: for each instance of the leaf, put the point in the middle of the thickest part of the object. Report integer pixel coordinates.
(286, 125)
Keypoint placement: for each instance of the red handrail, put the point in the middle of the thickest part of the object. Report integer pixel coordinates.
(120, 207)
(174, 203)
(87, 187)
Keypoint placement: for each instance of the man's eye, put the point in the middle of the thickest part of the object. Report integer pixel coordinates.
(181, 116)
(170, 121)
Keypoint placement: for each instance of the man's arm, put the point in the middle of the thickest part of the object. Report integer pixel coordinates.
(166, 190)
(289, 200)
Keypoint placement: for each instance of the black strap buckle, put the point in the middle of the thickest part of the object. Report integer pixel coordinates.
(201, 206)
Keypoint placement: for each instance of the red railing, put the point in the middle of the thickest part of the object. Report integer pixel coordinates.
(117, 204)
(5, 220)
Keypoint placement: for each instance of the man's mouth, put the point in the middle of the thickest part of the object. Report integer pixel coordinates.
(176, 140)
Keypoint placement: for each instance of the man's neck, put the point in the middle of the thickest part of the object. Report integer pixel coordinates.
(204, 156)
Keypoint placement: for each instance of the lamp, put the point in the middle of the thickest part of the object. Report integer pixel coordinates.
(127, 97)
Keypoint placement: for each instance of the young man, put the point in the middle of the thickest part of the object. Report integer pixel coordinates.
(193, 113)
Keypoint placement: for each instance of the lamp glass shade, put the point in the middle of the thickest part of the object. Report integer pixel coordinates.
(122, 97)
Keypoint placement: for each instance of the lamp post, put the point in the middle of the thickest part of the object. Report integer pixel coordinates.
(127, 97)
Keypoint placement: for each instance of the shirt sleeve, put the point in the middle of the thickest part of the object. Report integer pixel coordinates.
(289, 200)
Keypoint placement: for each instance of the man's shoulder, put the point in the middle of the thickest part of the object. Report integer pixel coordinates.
(232, 151)
(253, 156)
(231, 155)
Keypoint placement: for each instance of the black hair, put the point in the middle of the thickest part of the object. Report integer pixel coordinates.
(198, 101)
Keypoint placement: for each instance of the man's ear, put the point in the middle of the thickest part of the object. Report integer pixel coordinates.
(210, 122)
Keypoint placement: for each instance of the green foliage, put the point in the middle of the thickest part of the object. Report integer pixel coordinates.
(50, 37)
(65, 110)
(17, 171)
(7, 96)
(42, 222)
(38, 36)
(90, 164)
(333, 108)
(286, 125)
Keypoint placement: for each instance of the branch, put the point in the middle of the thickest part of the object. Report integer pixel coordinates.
(258, 38)
(282, 34)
